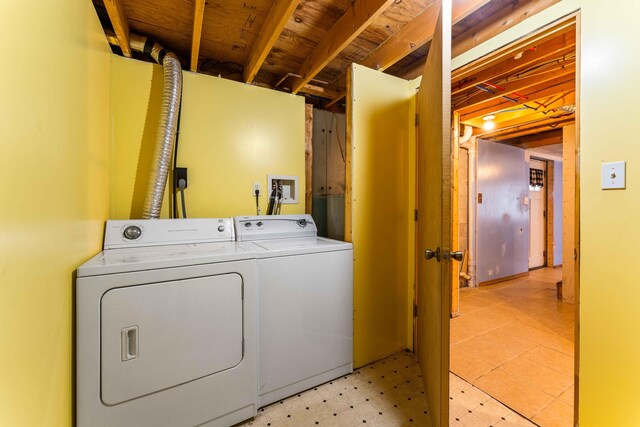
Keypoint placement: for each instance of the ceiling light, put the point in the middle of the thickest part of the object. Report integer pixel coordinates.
(489, 124)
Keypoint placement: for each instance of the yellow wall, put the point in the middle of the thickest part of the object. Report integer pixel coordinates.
(54, 91)
(383, 203)
(231, 135)
(610, 232)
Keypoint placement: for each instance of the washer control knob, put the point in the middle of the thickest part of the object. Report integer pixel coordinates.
(302, 222)
(259, 224)
(247, 224)
(221, 228)
(132, 232)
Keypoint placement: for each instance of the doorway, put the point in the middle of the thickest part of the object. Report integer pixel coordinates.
(514, 338)
(537, 213)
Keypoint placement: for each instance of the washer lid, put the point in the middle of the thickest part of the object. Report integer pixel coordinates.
(301, 245)
(151, 258)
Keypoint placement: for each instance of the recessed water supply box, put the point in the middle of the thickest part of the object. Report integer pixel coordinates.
(290, 187)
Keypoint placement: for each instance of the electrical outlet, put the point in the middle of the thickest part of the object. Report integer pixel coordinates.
(178, 174)
(256, 186)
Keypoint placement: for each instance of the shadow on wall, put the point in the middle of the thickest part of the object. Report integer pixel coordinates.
(145, 156)
(381, 242)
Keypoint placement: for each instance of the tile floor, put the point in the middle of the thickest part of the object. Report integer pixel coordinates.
(514, 341)
(387, 393)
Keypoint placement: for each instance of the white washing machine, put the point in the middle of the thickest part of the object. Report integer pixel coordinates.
(305, 304)
(166, 326)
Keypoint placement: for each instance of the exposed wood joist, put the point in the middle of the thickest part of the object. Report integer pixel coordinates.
(525, 130)
(516, 86)
(507, 18)
(115, 10)
(493, 26)
(320, 91)
(527, 122)
(538, 140)
(416, 33)
(198, 15)
(556, 48)
(541, 36)
(341, 95)
(349, 26)
(549, 89)
(277, 18)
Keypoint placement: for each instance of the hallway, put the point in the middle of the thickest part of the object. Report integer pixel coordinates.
(514, 341)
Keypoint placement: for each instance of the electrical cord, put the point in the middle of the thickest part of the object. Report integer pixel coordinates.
(175, 162)
(182, 185)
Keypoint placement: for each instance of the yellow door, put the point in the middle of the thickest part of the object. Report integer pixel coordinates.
(434, 220)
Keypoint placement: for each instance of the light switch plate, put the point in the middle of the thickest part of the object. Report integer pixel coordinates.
(614, 175)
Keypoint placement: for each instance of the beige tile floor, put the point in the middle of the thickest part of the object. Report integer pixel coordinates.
(387, 393)
(514, 341)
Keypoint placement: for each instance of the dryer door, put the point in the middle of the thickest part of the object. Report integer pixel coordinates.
(157, 336)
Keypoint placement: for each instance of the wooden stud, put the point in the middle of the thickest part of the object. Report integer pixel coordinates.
(273, 25)
(115, 10)
(550, 212)
(455, 271)
(416, 33)
(308, 158)
(355, 20)
(569, 235)
(198, 15)
(348, 184)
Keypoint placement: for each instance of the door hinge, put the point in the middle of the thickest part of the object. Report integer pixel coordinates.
(415, 310)
(415, 215)
(417, 119)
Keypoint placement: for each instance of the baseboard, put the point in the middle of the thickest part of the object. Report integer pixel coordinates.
(503, 279)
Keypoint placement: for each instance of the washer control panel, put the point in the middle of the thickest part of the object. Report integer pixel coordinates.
(155, 232)
(265, 227)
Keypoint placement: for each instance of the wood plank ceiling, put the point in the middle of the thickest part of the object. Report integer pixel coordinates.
(304, 46)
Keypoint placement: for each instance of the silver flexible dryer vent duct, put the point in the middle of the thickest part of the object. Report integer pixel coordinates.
(168, 123)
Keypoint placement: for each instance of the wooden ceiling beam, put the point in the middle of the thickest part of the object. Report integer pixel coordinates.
(274, 23)
(523, 122)
(416, 33)
(530, 129)
(516, 86)
(546, 90)
(538, 140)
(506, 18)
(320, 91)
(115, 10)
(355, 20)
(491, 27)
(561, 46)
(198, 15)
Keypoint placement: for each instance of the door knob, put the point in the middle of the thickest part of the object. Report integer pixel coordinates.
(457, 255)
(428, 254)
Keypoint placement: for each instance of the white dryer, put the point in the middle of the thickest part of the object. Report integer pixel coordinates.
(166, 326)
(305, 304)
